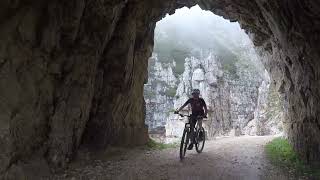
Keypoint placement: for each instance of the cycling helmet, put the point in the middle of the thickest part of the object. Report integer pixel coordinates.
(195, 91)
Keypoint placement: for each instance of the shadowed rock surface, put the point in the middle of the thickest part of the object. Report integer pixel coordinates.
(72, 72)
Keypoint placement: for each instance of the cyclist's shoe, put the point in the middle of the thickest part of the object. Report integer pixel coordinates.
(190, 147)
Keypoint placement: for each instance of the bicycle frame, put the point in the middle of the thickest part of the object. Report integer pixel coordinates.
(189, 119)
(188, 125)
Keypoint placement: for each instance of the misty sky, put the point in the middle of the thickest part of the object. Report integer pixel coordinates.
(196, 16)
(195, 30)
(203, 25)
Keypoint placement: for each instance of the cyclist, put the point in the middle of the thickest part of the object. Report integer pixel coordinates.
(199, 109)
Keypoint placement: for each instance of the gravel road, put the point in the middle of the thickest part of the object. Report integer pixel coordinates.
(230, 158)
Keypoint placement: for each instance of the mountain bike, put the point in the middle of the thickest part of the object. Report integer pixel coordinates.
(186, 137)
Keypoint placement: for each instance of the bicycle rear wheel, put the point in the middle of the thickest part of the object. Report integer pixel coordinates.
(201, 139)
(184, 144)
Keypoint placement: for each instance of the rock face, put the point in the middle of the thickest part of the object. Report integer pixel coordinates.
(159, 93)
(58, 82)
(269, 111)
(237, 105)
(72, 72)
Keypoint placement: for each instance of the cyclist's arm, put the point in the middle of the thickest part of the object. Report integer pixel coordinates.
(184, 105)
(205, 108)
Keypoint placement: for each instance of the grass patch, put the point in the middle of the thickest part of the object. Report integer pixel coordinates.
(171, 91)
(152, 144)
(148, 93)
(281, 153)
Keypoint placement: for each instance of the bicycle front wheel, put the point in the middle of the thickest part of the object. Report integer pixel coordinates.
(184, 144)
(201, 139)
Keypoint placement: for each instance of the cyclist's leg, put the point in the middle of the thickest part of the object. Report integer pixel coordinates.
(199, 126)
(192, 125)
(199, 123)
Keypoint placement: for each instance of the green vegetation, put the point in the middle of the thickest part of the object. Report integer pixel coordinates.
(179, 55)
(281, 153)
(152, 144)
(169, 50)
(231, 69)
(179, 68)
(149, 94)
(171, 111)
(162, 83)
(171, 92)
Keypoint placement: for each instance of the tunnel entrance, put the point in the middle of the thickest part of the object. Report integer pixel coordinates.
(72, 78)
(197, 49)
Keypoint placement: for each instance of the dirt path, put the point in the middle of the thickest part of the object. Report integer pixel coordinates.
(225, 158)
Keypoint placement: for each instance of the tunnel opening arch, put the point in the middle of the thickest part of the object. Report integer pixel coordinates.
(273, 31)
(218, 58)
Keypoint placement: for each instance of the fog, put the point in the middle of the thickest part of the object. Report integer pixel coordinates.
(197, 32)
(198, 26)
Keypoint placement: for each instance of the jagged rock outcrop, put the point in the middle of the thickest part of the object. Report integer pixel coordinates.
(73, 71)
(268, 114)
(236, 104)
(159, 93)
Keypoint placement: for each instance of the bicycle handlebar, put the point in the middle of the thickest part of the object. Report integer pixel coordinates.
(183, 115)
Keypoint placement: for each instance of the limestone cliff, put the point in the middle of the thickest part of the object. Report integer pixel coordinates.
(235, 105)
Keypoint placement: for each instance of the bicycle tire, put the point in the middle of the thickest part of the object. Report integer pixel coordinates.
(199, 148)
(184, 144)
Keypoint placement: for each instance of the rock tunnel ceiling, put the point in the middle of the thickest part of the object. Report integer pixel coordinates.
(71, 78)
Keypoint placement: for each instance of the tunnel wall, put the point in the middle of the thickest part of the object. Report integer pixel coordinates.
(286, 35)
(72, 72)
